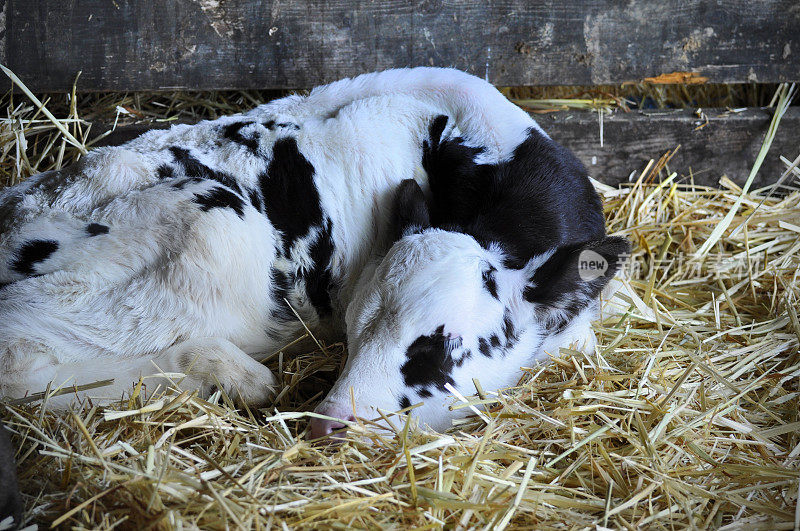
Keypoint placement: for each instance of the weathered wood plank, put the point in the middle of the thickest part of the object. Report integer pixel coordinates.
(727, 145)
(205, 44)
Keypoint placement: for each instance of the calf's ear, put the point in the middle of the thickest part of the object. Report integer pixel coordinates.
(411, 214)
(573, 276)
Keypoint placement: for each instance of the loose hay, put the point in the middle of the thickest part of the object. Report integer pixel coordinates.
(686, 416)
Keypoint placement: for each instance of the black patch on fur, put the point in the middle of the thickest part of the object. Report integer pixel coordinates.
(509, 331)
(410, 209)
(560, 274)
(557, 284)
(4, 284)
(454, 342)
(281, 285)
(405, 402)
(318, 277)
(424, 393)
(429, 362)
(255, 199)
(537, 200)
(436, 128)
(561, 324)
(493, 345)
(165, 172)
(233, 132)
(31, 253)
(494, 341)
(96, 229)
(191, 166)
(272, 125)
(457, 182)
(489, 281)
(465, 355)
(180, 184)
(194, 168)
(219, 197)
(291, 200)
(484, 348)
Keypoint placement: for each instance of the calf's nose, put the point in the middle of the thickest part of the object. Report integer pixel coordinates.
(325, 427)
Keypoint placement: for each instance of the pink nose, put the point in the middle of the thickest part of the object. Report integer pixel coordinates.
(325, 427)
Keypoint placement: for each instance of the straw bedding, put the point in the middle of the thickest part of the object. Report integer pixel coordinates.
(686, 416)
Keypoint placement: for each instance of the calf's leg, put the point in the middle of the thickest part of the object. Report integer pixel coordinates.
(199, 363)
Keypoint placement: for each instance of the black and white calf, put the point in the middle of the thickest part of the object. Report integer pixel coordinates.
(417, 211)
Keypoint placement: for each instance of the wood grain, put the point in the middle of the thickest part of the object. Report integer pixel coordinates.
(125, 45)
(727, 145)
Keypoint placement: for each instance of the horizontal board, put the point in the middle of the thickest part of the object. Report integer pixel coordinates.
(125, 45)
(726, 145)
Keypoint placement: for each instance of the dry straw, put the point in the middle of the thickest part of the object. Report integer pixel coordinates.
(686, 416)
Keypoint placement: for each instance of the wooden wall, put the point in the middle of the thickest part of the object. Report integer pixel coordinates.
(214, 44)
(125, 45)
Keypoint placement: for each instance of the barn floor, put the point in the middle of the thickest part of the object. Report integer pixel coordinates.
(686, 416)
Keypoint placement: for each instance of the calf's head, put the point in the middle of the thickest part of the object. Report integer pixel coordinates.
(439, 309)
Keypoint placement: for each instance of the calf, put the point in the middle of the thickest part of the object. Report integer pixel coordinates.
(416, 211)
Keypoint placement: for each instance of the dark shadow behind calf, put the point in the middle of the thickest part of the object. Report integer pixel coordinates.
(10, 499)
